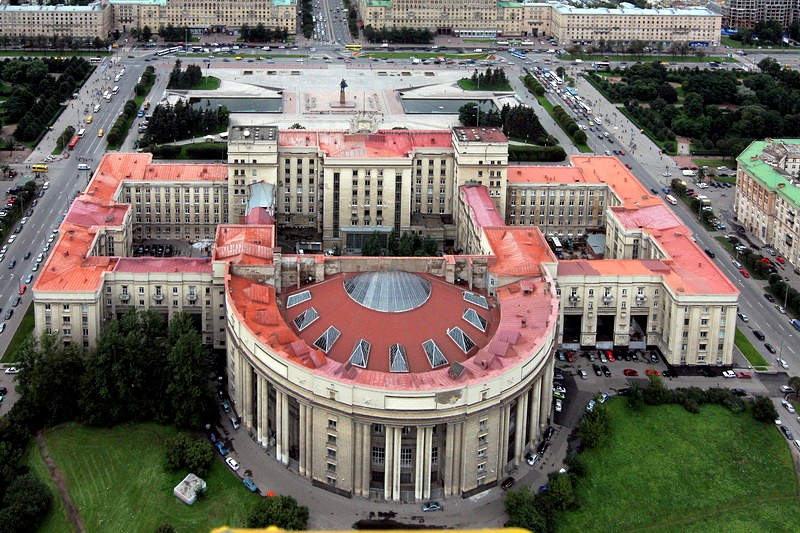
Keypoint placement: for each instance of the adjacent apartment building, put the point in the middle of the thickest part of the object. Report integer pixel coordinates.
(79, 22)
(747, 13)
(389, 378)
(768, 194)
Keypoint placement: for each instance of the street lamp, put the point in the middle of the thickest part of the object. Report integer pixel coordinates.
(780, 350)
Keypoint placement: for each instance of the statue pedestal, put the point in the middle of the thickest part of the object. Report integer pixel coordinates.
(343, 105)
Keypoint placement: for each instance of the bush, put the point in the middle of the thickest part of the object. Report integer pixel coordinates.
(278, 511)
(207, 151)
(764, 410)
(194, 455)
(595, 427)
(535, 153)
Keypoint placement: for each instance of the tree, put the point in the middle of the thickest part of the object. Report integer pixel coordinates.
(26, 502)
(278, 511)
(595, 427)
(146, 34)
(635, 397)
(184, 452)
(794, 382)
(560, 492)
(522, 510)
(764, 410)
(372, 247)
(188, 391)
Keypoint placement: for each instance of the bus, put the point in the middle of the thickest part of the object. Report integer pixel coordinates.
(167, 51)
(356, 47)
(74, 142)
(95, 60)
(585, 108)
(556, 244)
(518, 55)
(572, 91)
(603, 65)
(39, 168)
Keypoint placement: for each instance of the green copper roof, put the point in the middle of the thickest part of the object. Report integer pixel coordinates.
(283, 2)
(750, 160)
(139, 2)
(510, 4)
(379, 3)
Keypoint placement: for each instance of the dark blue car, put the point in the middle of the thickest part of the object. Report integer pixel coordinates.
(223, 451)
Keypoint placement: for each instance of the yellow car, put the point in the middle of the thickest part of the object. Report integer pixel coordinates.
(100, 133)
(89, 119)
(238, 58)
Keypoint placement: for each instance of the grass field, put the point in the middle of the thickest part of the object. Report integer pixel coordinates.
(56, 521)
(25, 328)
(115, 478)
(749, 351)
(665, 469)
(645, 58)
(468, 85)
(207, 83)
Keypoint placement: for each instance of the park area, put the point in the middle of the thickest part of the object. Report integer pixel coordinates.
(665, 469)
(116, 479)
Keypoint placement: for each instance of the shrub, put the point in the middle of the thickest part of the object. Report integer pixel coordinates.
(764, 410)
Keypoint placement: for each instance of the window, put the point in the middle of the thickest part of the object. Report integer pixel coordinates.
(435, 454)
(331, 467)
(481, 453)
(484, 424)
(378, 455)
(331, 439)
(405, 457)
(482, 440)
(331, 423)
(377, 428)
(481, 468)
(331, 453)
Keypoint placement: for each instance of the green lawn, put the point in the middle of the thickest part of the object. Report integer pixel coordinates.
(25, 328)
(56, 520)
(749, 351)
(207, 83)
(468, 85)
(115, 478)
(665, 469)
(645, 58)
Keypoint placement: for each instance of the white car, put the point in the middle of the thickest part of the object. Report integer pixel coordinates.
(786, 389)
(232, 463)
(46, 185)
(728, 374)
(744, 317)
(782, 362)
(789, 407)
(666, 174)
(12, 370)
(559, 388)
(558, 406)
(780, 309)
(12, 238)
(702, 185)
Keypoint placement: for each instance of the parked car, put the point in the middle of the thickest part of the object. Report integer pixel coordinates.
(786, 389)
(770, 348)
(606, 371)
(531, 458)
(782, 362)
(431, 506)
(508, 483)
(250, 484)
(652, 372)
(788, 406)
(558, 405)
(232, 463)
(653, 357)
(759, 335)
(597, 369)
(770, 298)
(728, 374)
(603, 398)
(743, 375)
(559, 388)
(744, 317)
(787, 432)
(582, 373)
(223, 451)
(739, 392)
(226, 406)
(630, 372)
(590, 406)
(549, 432)
(744, 273)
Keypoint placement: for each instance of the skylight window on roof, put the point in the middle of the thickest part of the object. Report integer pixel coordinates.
(398, 362)
(298, 298)
(476, 299)
(435, 356)
(456, 370)
(305, 319)
(360, 355)
(472, 316)
(326, 340)
(461, 339)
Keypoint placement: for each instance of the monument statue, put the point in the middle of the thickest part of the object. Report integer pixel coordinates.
(342, 86)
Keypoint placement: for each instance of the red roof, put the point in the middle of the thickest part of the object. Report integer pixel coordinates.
(481, 206)
(384, 143)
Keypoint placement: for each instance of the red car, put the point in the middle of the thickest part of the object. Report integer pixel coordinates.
(622, 152)
(651, 372)
(629, 166)
(780, 260)
(22, 289)
(570, 357)
(744, 272)
(630, 372)
(743, 375)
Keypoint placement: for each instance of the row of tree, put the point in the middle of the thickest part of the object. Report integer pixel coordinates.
(721, 110)
(561, 117)
(119, 130)
(492, 79)
(529, 153)
(261, 34)
(402, 35)
(55, 42)
(37, 95)
(307, 18)
(518, 122)
(65, 137)
(173, 34)
(785, 293)
(217, 151)
(408, 245)
(183, 121)
(184, 79)
(767, 32)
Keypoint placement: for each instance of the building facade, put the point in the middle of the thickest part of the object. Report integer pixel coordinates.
(79, 22)
(747, 13)
(390, 378)
(768, 194)
(567, 24)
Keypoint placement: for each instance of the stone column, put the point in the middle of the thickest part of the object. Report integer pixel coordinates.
(358, 456)
(284, 428)
(260, 409)
(279, 425)
(265, 411)
(247, 416)
(366, 458)
(452, 459)
(546, 396)
(520, 427)
(303, 416)
(505, 414)
(419, 463)
(398, 441)
(308, 428)
(388, 472)
(533, 419)
(427, 462)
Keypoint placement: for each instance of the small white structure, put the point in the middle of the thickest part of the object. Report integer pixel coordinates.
(187, 490)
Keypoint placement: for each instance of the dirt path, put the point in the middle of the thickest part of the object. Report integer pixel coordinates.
(58, 478)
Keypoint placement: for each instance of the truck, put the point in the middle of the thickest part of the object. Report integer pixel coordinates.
(689, 173)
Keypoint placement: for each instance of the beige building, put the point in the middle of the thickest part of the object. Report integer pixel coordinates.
(567, 24)
(390, 378)
(768, 194)
(202, 17)
(747, 13)
(93, 20)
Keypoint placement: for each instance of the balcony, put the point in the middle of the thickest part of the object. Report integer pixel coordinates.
(124, 297)
(574, 298)
(192, 298)
(158, 297)
(607, 299)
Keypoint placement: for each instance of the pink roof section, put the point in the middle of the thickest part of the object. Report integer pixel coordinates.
(383, 144)
(517, 328)
(481, 206)
(244, 244)
(490, 135)
(260, 215)
(69, 268)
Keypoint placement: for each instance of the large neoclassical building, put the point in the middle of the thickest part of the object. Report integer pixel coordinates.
(396, 378)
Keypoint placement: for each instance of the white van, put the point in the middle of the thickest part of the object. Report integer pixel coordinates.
(117, 78)
(115, 90)
(671, 199)
(96, 108)
(81, 132)
(83, 166)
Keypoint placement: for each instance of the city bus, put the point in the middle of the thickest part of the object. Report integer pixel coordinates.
(603, 65)
(172, 50)
(355, 47)
(74, 142)
(518, 55)
(39, 168)
(585, 108)
(95, 60)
